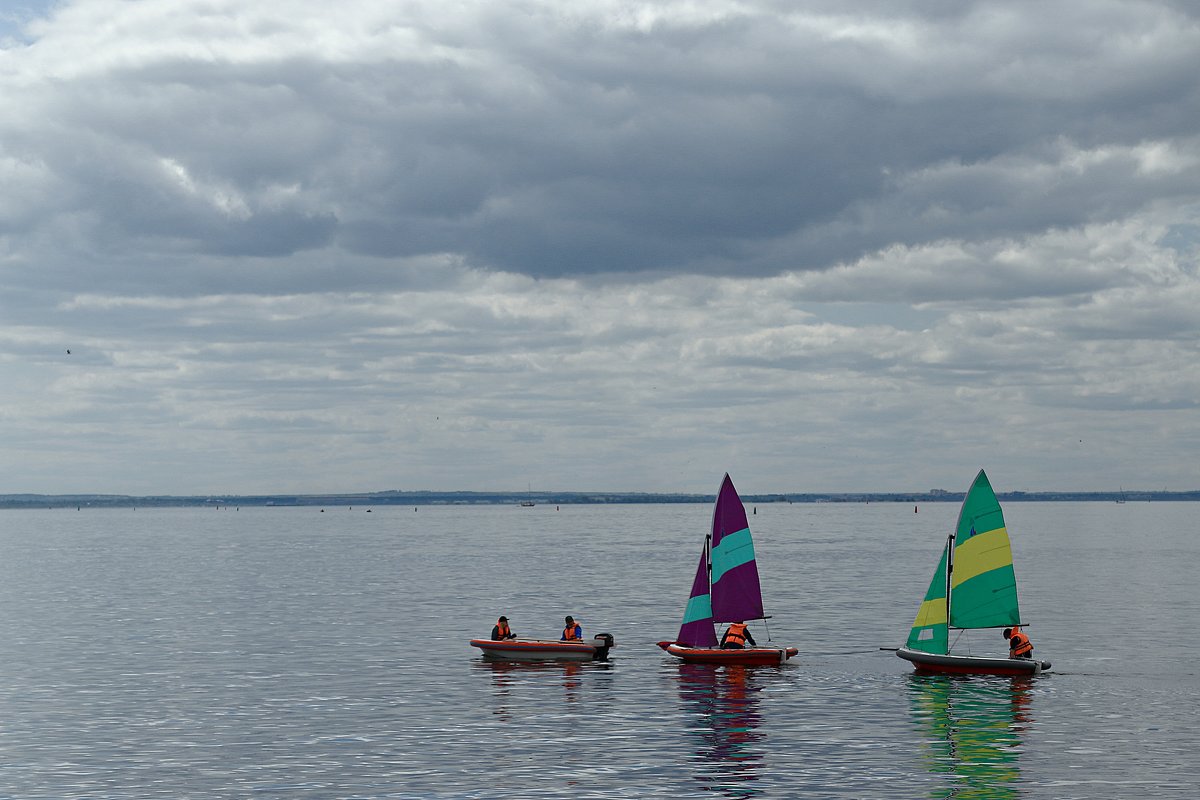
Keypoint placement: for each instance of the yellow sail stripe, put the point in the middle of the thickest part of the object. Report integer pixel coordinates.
(931, 612)
(981, 553)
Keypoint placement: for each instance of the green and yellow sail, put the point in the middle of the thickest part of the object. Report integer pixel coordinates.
(929, 633)
(982, 590)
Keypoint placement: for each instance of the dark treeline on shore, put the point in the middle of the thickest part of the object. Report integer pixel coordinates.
(420, 498)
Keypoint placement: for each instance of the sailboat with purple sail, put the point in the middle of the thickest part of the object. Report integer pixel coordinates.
(725, 590)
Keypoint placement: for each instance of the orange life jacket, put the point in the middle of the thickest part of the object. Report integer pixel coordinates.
(504, 631)
(736, 635)
(569, 631)
(1019, 644)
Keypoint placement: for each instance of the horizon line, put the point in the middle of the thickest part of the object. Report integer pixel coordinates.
(593, 497)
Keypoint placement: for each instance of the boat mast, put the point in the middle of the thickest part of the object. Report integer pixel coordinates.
(708, 559)
(708, 569)
(949, 573)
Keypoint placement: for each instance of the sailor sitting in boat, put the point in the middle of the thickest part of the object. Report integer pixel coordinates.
(1019, 645)
(501, 631)
(572, 631)
(736, 636)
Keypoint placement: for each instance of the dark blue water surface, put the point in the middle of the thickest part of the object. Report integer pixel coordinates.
(295, 653)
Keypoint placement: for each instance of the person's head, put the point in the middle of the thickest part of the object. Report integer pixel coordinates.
(504, 620)
(570, 620)
(1008, 633)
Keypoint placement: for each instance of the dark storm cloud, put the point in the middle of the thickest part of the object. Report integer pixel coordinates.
(747, 140)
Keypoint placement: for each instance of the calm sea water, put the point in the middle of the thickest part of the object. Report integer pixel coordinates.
(294, 653)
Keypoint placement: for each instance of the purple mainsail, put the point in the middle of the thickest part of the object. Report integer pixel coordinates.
(736, 595)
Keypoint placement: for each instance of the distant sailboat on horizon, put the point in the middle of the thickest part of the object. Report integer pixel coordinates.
(528, 501)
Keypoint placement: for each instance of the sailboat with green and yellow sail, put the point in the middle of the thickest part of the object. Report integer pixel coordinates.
(973, 587)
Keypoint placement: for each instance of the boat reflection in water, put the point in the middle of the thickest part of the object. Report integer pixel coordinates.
(721, 711)
(508, 677)
(972, 731)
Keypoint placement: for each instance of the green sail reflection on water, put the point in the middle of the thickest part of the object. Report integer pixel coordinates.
(971, 733)
(982, 591)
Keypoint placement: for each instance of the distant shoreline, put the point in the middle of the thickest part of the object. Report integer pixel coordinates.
(431, 498)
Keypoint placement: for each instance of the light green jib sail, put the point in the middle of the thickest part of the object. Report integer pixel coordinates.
(929, 633)
(982, 591)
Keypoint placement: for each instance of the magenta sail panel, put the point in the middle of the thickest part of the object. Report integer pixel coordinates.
(697, 627)
(736, 593)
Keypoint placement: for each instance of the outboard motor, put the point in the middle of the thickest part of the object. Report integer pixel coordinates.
(602, 651)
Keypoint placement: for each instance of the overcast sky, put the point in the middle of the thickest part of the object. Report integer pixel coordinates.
(303, 246)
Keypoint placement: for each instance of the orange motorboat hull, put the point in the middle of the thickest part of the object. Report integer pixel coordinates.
(543, 649)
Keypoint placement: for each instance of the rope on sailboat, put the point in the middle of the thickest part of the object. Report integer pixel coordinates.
(768, 627)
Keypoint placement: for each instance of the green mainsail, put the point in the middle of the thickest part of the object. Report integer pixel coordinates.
(982, 591)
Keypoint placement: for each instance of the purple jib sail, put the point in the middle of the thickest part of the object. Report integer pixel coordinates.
(736, 595)
(697, 627)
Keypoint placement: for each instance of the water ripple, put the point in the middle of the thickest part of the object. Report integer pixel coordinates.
(281, 654)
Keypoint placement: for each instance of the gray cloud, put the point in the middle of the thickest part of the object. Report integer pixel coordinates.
(612, 244)
(554, 142)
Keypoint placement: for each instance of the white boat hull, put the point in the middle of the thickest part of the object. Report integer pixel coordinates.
(972, 665)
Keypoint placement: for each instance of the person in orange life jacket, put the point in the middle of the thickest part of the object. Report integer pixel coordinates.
(736, 636)
(572, 631)
(501, 630)
(1019, 645)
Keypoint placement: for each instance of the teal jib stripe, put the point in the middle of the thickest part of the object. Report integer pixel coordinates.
(698, 608)
(734, 550)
